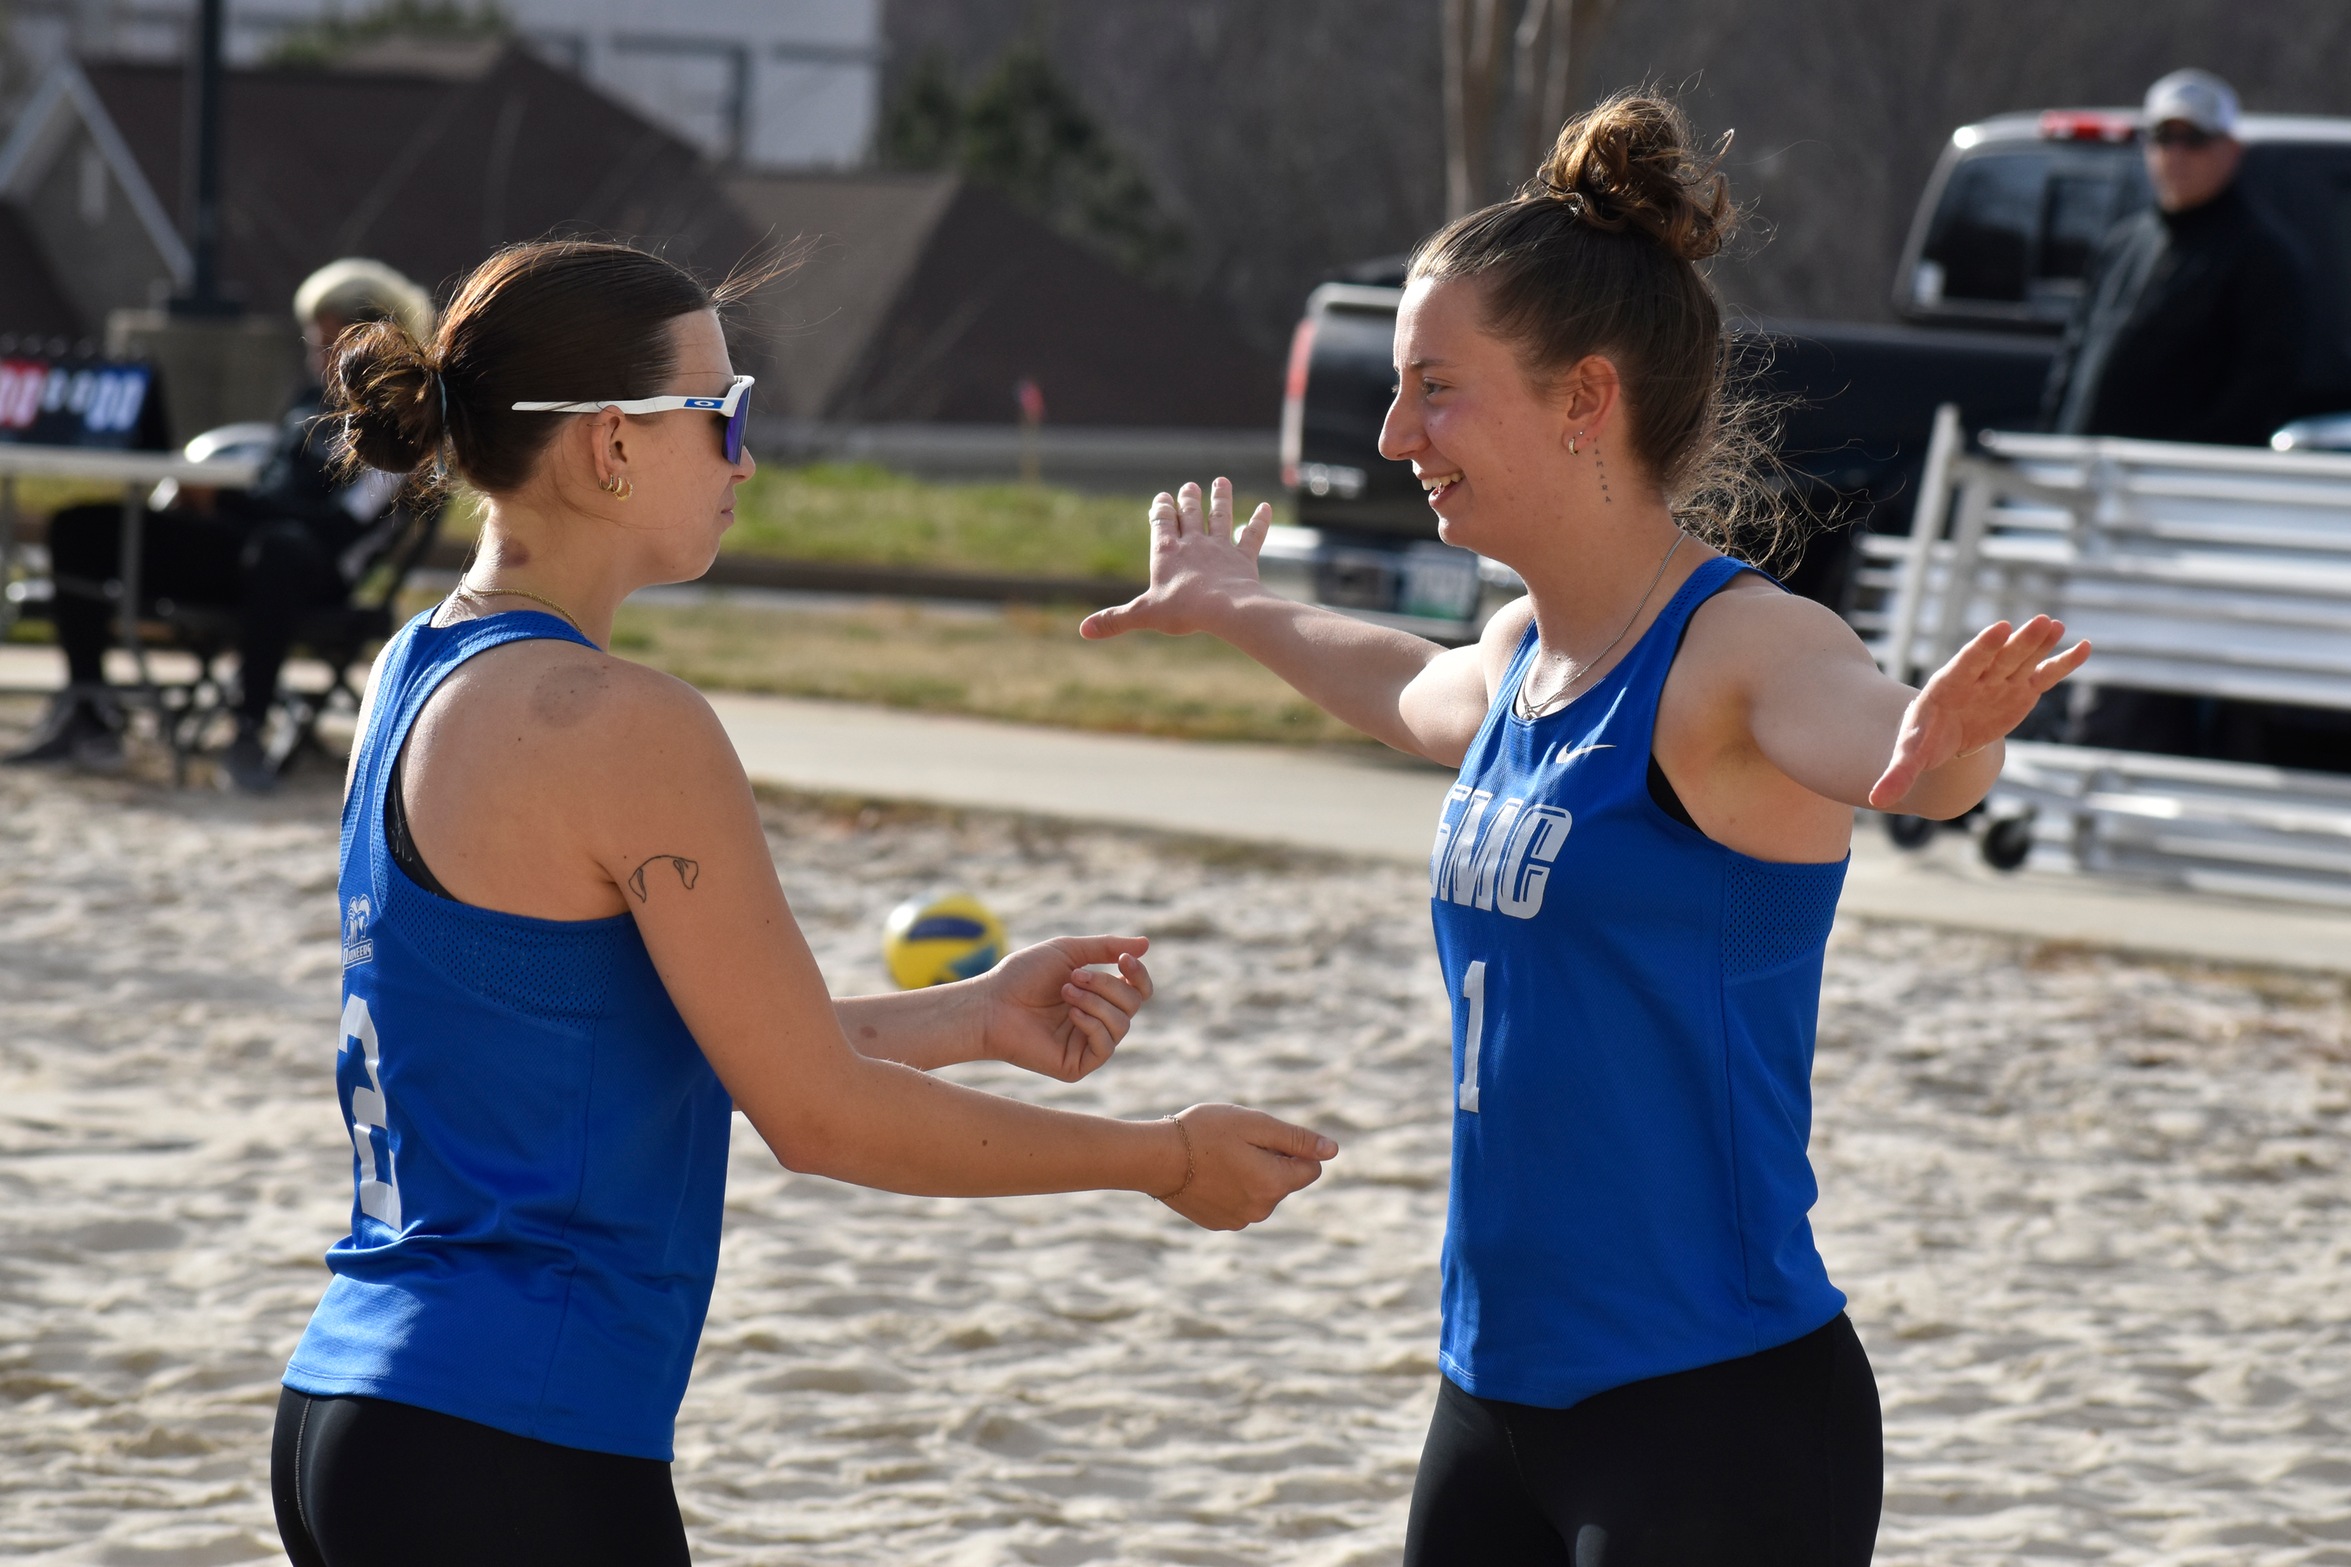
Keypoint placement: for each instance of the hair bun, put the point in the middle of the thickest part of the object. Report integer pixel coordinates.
(390, 396)
(1628, 163)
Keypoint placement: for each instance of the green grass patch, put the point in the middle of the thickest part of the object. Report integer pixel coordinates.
(1023, 664)
(862, 513)
(43, 495)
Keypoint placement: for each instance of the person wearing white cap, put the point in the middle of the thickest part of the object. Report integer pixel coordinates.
(2189, 329)
(270, 553)
(2189, 322)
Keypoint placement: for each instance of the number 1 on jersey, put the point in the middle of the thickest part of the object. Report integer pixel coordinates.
(1473, 991)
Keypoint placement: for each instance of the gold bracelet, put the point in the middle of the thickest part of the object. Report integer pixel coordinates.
(1190, 1169)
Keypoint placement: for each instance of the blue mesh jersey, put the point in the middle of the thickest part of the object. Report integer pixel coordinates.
(539, 1146)
(1633, 1015)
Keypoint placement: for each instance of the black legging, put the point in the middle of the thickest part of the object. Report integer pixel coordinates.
(269, 572)
(1772, 1460)
(361, 1482)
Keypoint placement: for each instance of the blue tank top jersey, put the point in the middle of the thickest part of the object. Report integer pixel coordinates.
(539, 1145)
(1633, 1016)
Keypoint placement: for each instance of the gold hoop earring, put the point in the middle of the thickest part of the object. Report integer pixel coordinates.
(620, 489)
(1571, 442)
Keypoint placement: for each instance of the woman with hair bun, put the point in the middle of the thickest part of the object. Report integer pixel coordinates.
(567, 959)
(1661, 751)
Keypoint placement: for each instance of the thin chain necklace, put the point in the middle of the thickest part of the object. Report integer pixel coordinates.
(466, 587)
(1527, 708)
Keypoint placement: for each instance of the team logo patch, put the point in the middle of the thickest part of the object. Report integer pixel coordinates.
(358, 946)
(1495, 858)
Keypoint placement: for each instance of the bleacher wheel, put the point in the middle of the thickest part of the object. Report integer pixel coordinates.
(1911, 832)
(2008, 842)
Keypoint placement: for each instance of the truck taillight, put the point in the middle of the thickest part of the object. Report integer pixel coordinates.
(1294, 400)
(2088, 125)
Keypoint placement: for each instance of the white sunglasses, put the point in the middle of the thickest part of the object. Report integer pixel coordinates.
(734, 408)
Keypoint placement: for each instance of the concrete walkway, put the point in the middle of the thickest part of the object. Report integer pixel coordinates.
(1383, 807)
(1386, 808)
(1259, 793)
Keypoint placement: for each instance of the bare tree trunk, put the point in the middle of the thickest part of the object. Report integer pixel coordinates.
(1587, 20)
(1472, 74)
(1540, 82)
(1494, 139)
(1565, 54)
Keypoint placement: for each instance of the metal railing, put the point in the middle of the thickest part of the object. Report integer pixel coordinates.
(2218, 572)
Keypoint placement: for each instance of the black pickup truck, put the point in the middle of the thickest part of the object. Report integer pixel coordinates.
(1989, 275)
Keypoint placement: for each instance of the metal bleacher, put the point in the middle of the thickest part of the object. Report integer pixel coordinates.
(2202, 570)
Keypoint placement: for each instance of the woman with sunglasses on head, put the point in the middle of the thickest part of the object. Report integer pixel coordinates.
(567, 959)
(1644, 1361)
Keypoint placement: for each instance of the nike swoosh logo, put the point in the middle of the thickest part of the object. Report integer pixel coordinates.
(1566, 756)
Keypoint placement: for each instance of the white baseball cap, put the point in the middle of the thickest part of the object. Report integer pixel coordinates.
(2198, 97)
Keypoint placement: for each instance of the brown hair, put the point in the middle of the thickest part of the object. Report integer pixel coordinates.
(550, 321)
(1599, 253)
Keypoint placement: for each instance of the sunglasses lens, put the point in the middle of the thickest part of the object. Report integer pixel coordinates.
(735, 422)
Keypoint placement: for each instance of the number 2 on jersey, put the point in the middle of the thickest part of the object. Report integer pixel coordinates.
(1473, 991)
(379, 1196)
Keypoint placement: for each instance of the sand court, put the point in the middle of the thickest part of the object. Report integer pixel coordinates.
(2095, 1215)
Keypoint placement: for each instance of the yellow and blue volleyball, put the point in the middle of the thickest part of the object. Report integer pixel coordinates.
(934, 941)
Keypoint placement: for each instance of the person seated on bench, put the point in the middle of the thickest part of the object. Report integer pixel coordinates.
(269, 554)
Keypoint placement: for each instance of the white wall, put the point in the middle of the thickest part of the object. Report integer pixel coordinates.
(813, 66)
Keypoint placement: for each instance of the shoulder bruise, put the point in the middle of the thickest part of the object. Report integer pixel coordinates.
(569, 691)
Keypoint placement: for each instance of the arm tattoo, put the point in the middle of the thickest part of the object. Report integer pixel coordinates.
(688, 871)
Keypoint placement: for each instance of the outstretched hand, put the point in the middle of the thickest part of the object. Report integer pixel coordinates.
(1978, 697)
(1050, 1012)
(1199, 563)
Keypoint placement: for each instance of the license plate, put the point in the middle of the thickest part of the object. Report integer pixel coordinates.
(1439, 584)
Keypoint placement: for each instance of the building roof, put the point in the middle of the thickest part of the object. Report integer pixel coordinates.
(427, 172)
(925, 298)
(919, 298)
(857, 240)
(32, 307)
(46, 128)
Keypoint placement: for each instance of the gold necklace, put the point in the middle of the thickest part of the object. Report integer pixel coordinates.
(1529, 708)
(570, 619)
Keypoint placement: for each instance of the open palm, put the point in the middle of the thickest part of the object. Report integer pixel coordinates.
(1199, 563)
(1978, 697)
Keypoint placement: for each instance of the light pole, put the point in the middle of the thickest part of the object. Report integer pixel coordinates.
(201, 139)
